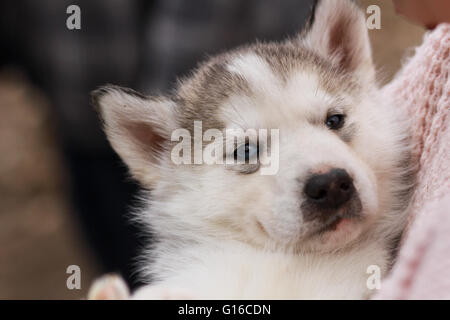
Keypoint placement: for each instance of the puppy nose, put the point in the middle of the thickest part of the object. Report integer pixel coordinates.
(329, 190)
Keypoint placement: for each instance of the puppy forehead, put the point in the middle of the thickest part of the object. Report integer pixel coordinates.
(255, 70)
(276, 97)
(258, 86)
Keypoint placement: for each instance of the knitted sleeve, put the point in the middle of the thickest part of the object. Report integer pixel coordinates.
(422, 89)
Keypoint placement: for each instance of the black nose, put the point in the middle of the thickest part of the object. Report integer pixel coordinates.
(329, 190)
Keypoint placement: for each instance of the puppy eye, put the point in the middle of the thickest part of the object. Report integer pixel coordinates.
(246, 152)
(335, 121)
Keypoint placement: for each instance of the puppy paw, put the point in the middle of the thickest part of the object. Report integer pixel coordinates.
(109, 287)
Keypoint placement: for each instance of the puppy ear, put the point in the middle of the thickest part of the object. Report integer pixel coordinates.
(338, 32)
(138, 128)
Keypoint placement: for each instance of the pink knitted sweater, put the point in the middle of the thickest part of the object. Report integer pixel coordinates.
(422, 88)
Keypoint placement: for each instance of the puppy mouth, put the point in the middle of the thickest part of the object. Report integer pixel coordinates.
(334, 223)
(332, 220)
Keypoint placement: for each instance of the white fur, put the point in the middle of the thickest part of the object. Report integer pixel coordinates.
(255, 70)
(221, 234)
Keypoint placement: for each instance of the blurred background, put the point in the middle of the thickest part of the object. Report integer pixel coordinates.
(64, 194)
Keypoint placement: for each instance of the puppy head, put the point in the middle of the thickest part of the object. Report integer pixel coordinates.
(332, 149)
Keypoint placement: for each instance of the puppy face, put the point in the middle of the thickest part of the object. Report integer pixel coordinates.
(337, 150)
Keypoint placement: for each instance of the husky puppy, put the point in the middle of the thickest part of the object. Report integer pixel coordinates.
(324, 225)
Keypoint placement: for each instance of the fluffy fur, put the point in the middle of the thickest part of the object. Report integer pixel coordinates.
(229, 232)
